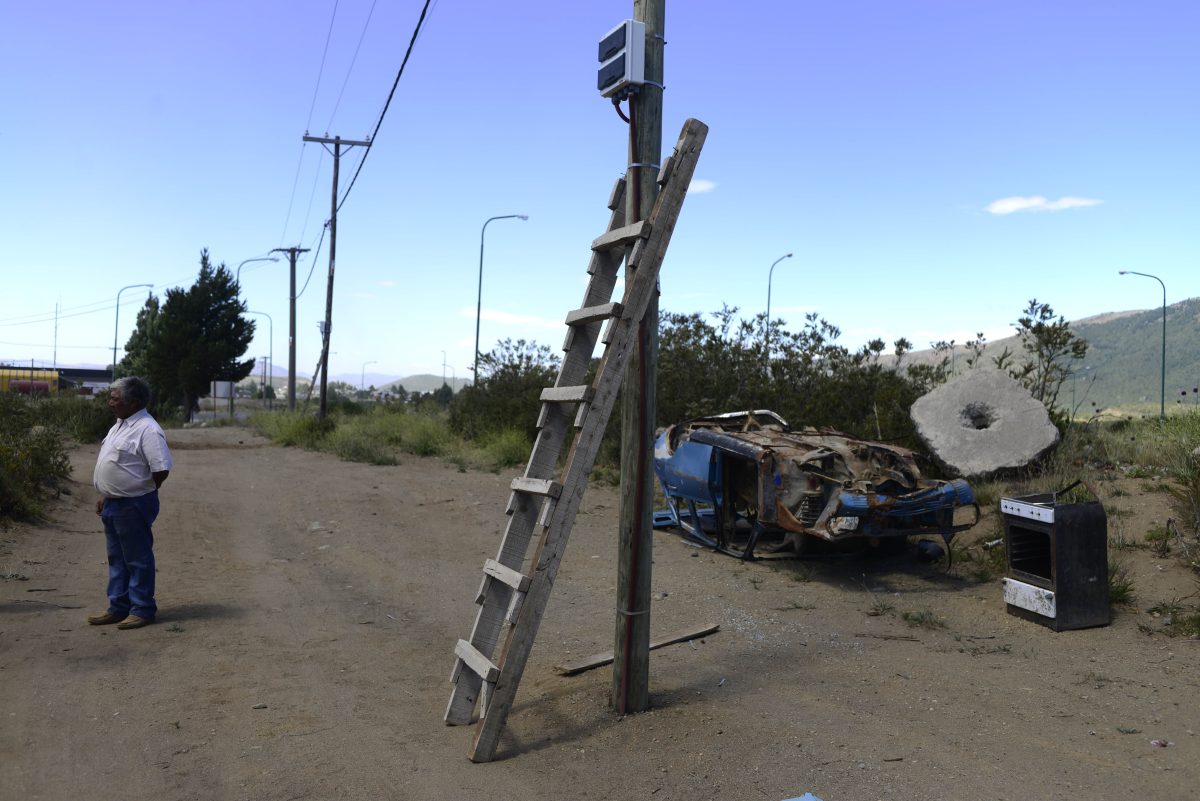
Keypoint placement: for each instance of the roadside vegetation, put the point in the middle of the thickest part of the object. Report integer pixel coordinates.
(708, 365)
(35, 434)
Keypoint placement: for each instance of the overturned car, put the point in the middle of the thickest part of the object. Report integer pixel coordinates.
(746, 484)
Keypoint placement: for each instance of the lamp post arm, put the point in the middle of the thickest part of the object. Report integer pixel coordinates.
(117, 322)
(1162, 386)
(767, 322)
(479, 291)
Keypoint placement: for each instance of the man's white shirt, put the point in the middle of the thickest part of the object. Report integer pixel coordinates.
(134, 449)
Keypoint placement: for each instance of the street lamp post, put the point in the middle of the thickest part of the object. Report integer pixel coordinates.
(238, 277)
(1162, 386)
(767, 327)
(270, 352)
(116, 324)
(479, 296)
(362, 379)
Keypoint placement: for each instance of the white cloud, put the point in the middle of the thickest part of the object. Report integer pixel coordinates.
(700, 186)
(1011, 205)
(387, 283)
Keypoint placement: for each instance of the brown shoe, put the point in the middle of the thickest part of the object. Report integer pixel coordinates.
(103, 619)
(134, 622)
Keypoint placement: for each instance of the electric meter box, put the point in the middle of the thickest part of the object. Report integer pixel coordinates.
(622, 58)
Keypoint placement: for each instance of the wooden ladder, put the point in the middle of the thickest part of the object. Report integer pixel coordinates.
(514, 593)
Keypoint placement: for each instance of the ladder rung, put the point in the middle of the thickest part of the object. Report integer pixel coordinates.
(476, 661)
(594, 314)
(617, 196)
(664, 172)
(567, 394)
(513, 578)
(537, 486)
(619, 237)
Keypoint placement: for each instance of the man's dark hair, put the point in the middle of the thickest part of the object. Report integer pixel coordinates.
(134, 390)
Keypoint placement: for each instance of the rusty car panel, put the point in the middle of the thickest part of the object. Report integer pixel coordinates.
(745, 480)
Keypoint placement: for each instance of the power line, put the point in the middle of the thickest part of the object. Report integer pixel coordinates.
(321, 71)
(316, 252)
(382, 114)
(353, 61)
(312, 106)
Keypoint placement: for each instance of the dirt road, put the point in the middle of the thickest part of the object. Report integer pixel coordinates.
(309, 609)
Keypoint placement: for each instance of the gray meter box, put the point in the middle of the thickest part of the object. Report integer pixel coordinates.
(622, 58)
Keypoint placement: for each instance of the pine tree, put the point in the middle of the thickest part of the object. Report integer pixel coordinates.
(195, 337)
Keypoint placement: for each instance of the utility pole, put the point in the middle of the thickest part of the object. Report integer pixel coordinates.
(631, 663)
(337, 143)
(292, 253)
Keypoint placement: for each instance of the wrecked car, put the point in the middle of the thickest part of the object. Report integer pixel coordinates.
(746, 484)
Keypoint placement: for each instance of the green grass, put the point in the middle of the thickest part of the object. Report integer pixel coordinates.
(923, 620)
(1120, 584)
(382, 433)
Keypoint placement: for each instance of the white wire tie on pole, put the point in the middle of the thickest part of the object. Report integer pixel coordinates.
(632, 614)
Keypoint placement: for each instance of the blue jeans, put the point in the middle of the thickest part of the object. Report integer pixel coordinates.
(130, 554)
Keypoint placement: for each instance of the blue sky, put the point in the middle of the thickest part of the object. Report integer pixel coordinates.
(932, 165)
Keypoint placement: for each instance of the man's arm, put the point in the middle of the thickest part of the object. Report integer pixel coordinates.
(160, 477)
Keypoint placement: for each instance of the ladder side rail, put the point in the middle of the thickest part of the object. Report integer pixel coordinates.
(582, 455)
(525, 510)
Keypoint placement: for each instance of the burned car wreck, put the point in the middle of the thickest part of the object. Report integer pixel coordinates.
(746, 484)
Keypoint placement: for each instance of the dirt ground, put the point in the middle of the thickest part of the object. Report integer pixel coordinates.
(309, 610)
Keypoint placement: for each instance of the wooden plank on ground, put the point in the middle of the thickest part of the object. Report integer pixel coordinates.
(600, 660)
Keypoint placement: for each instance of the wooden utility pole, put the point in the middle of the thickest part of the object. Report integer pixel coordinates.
(337, 143)
(291, 385)
(631, 653)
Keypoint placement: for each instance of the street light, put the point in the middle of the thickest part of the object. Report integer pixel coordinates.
(116, 323)
(271, 354)
(362, 381)
(479, 296)
(767, 328)
(1162, 403)
(238, 278)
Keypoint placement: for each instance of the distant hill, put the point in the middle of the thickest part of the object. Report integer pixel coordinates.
(1123, 364)
(425, 382)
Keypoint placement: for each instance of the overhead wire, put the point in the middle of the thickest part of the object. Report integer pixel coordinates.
(391, 94)
(316, 252)
(307, 125)
(350, 69)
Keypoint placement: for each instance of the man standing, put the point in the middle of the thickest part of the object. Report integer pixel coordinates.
(133, 463)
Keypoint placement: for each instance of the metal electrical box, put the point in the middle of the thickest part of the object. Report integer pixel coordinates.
(622, 58)
(1057, 561)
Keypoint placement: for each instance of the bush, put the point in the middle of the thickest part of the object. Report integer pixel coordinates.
(81, 418)
(511, 378)
(33, 459)
(507, 448)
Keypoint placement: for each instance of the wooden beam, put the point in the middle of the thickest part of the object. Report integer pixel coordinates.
(600, 660)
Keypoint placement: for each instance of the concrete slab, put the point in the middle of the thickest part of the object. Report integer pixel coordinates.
(983, 422)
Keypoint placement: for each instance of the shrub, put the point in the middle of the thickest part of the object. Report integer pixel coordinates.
(83, 419)
(33, 459)
(507, 448)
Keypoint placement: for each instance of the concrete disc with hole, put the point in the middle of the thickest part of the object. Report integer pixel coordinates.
(983, 422)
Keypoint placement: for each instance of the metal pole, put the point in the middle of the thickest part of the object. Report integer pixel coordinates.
(479, 294)
(767, 326)
(362, 379)
(1162, 385)
(238, 276)
(270, 348)
(116, 324)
